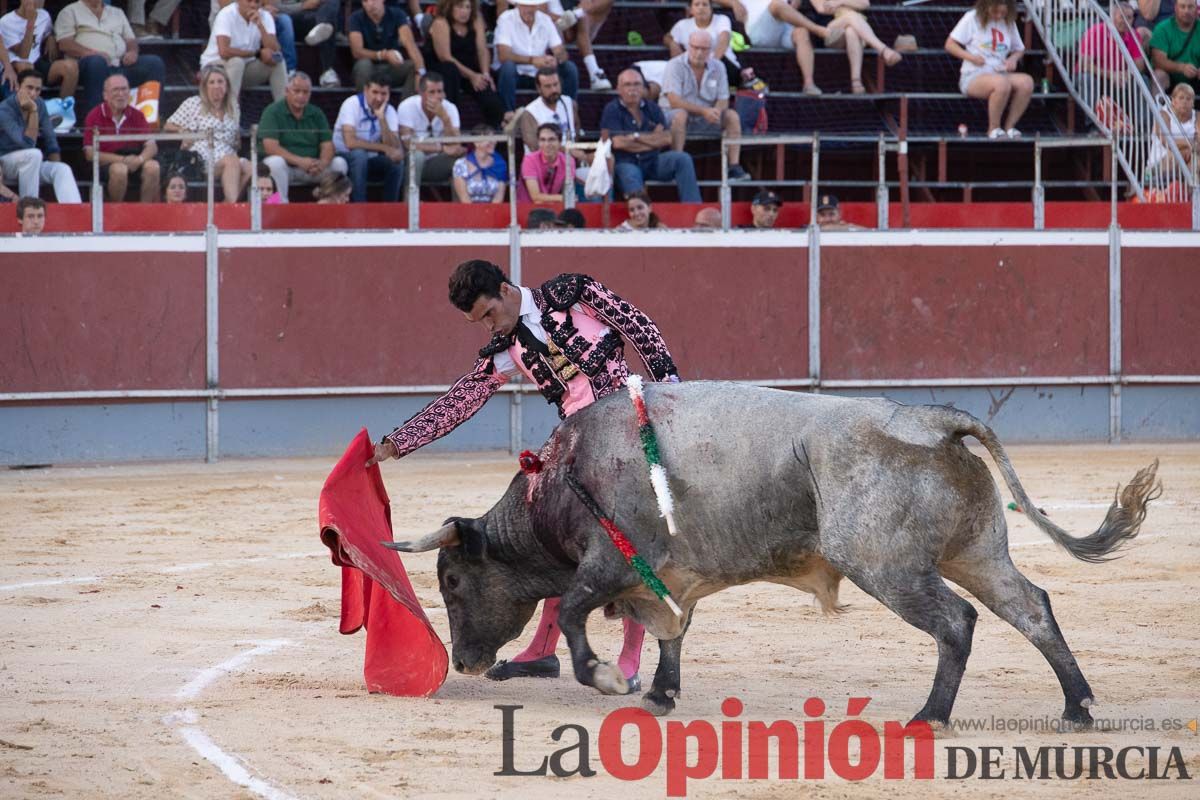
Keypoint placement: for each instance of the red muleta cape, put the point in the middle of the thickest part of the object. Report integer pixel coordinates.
(405, 656)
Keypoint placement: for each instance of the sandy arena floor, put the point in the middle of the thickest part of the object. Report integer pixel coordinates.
(169, 627)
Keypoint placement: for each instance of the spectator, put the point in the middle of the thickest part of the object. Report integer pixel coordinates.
(641, 214)
(377, 32)
(551, 106)
(334, 189)
(160, 17)
(578, 25)
(1180, 122)
(829, 215)
(213, 109)
(176, 190)
(100, 38)
(121, 160)
(430, 115)
(296, 139)
(990, 46)
(481, 175)
(265, 185)
(1149, 14)
(696, 90)
(1175, 49)
(1100, 54)
(365, 136)
(708, 218)
(31, 213)
(764, 211)
(285, 31)
(527, 39)
(29, 43)
(316, 21)
(6, 195)
(544, 171)
(571, 218)
(28, 146)
(636, 127)
(701, 18)
(457, 49)
(541, 219)
(243, 42)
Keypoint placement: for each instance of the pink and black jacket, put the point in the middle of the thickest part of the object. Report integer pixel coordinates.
(583, 361)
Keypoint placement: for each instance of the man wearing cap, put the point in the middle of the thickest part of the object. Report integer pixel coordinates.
(829, 215)
(764, 209)
(565, 336)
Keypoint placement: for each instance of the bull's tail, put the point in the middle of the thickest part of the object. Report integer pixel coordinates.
(1122, 522)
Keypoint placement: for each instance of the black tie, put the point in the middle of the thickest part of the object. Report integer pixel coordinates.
(529, 341)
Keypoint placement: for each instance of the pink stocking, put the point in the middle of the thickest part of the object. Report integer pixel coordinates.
(545, 640)
(631, 651)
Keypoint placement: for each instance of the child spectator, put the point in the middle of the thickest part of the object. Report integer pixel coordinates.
(31, 212)
(265, 185)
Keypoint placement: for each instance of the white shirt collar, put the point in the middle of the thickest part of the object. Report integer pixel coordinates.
(527, 305)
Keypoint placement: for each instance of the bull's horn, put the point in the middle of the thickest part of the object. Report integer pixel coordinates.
(445, 536)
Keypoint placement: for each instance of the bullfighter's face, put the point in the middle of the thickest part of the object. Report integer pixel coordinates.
(497, 314)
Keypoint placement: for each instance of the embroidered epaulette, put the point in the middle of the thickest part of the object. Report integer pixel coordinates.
(563, 292)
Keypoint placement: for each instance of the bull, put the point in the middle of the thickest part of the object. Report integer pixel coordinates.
(784, 487)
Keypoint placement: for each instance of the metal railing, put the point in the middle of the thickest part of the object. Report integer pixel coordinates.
(97, 193)
(414, 180)
(1118, 101)
(1039, 189)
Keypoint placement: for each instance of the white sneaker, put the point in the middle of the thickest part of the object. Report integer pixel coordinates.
(600, 82)
(996, 133)
(566, 21)
(320, 32)
(1013, 133)
(329, 79)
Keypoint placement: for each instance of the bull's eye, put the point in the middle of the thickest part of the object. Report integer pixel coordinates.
(451, 582)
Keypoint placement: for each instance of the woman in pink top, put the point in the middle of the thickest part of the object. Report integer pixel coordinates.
(544, 171)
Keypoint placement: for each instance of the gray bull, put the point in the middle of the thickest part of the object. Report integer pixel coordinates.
(790, 488)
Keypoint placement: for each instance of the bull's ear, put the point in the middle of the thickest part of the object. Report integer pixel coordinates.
(474, 541)
(445, 536)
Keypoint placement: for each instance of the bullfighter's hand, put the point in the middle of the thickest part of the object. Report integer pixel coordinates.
(383, 451)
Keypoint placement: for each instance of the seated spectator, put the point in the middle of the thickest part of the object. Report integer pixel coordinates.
(296, 139)
(637, 129)
(457, 49)
(641, 214)
(213, 109)
(430, 115)
(1180, 122)
(577, 25)
(121, 160)
(31, 213)
(160, 17)
(527, 39)
(377, 32)
(6, 195)
(364, 134)
(990, 46)
(481, 176)
(764, 211)
(176, 190)
(334, 189)
(1100, 54)
(700, 17)
(264, 184)
(28, 146)
(544, 171)
(1175, 49)
(100, 38)
(1149, 14)
(541, 219)
(829, 215)
(316, 21)
(696, 90)
(708, 219)
(29, 43)
(571, 218)
(243, 42)
(551, 106)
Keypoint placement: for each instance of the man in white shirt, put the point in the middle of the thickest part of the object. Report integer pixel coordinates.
(429, 114)
(100, 38)
(365, 135)
(551, 106)
(243, 40)
(29, 43)
(527, 39)
(578, 25)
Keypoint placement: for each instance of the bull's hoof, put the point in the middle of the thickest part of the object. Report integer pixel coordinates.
(607, 678)
(657, 703)
(1078, 717)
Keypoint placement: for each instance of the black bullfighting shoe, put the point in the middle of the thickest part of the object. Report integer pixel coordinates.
(541, 668)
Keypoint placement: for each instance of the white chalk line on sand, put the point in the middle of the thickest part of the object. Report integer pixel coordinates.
(230, 765)
(168, 570)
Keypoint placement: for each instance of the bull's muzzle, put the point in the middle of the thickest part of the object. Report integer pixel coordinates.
(473, 665)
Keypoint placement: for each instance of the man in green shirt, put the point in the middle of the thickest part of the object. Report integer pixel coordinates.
(1175, 47)
(296, 139)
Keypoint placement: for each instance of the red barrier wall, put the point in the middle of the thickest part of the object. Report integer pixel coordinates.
(933, 312)
(363, 316)
(1160, 314)
(90, 321)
